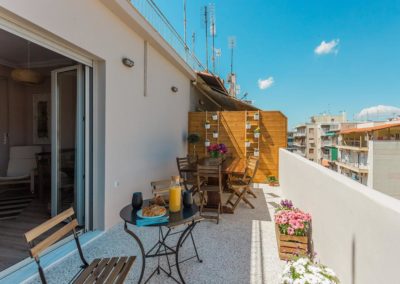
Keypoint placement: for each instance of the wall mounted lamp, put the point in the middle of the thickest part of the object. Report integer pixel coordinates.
(128, 62)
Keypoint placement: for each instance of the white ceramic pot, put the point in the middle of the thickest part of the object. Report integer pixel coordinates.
(257, 135)
(215, 116)
(207, 143)
(248, 125)
(215, 134)
(256, 152)
(256, 116)
(247, 144)
(207, 126)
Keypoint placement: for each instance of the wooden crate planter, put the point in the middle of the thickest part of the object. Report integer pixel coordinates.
(291, 246)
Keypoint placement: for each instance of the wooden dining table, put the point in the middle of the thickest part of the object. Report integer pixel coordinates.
(229, 165)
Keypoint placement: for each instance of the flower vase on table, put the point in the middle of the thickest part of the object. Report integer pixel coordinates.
(217, 150)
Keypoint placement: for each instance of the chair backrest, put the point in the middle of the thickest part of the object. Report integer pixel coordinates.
(182, 163)
(22, 160)
(210, 171)
(160, 187)
(251, 169)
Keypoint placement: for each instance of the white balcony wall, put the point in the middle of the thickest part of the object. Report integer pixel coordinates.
(355, 228)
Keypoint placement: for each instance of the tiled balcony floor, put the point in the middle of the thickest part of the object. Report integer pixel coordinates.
(241, 249)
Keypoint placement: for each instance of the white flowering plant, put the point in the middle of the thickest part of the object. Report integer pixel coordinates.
(305, 271)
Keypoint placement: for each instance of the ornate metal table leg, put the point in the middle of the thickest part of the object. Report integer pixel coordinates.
(182, 239)
(141, 250)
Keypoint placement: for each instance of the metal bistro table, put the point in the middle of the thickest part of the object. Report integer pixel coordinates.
(187, 216)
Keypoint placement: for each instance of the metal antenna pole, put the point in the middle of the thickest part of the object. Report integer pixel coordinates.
(213, 33)
(184, 22)
(206, 28)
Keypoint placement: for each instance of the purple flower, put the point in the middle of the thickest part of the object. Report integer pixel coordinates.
(287, 204)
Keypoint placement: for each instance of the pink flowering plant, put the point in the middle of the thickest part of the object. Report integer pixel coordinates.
(217, 150)
(293, 222)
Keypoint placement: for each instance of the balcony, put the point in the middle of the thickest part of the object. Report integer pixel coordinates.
(354, 146)
(299, 134)
(355, 167)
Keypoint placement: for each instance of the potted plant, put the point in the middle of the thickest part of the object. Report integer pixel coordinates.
(247, 143)
(272, 181)
(215, 134)
(207, 143)
(256, 152)
(214, 116)
(304, 270)
(207, 125)
(193, 139)
(248, 125)
(256, 116)
(292, 231)
(257, 132)
(217, 150)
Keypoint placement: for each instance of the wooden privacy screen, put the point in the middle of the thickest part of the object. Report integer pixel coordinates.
(232, 131)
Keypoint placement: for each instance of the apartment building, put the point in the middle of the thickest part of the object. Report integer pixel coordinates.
(315, 140)
(370, 154)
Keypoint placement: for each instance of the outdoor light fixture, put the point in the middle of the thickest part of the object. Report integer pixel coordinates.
(174, 89)
(128, 62)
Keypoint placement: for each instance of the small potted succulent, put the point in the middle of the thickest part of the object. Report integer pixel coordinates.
(214, 116)
(248, 125)
(207, 125)
(215, 134)
(272, 181)
(256, 116)
(247, 143)
(256, 152)
(207, 143)
(257, 132)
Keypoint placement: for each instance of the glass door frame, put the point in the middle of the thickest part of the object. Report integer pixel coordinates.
(80, 194)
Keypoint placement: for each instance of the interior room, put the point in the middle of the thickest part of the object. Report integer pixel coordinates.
(27, 86)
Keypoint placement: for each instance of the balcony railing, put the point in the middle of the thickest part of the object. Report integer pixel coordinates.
(150, 11)
(348, 219)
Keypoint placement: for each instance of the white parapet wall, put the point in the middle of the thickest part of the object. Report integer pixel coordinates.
(355, 229)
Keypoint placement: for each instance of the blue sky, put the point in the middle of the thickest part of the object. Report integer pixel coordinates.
(278, 38)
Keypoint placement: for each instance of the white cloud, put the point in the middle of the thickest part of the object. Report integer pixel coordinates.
(264, 84)
(378, 112)
(327, 47)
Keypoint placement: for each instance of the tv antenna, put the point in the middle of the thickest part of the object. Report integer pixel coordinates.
(205, 15)
(232, 45)
(213, 32)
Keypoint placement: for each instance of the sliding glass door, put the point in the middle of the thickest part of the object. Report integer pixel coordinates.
(68, 141)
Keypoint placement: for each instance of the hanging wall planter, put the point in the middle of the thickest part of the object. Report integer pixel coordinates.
(257, 133)
(215, 134)
(248, 125)
(215, 116)
(256, 152)
(207, 143)
(247, 144)
(207, 125)
(256, 116)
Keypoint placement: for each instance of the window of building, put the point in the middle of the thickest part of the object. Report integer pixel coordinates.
(397, 136)
(311, 131)
(311, 151)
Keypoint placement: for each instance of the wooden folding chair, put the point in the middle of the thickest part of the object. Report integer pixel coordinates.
(186, 173)
(214, 202)
(242, 186)
(101, 270)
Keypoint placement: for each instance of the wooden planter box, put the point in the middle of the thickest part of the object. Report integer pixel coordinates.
(291, 246)
(273, 183)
